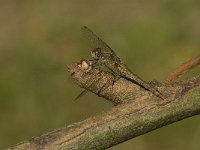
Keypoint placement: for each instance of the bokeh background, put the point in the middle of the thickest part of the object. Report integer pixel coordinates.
(38, 39)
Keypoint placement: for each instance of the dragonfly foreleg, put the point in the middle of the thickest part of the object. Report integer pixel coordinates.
(89, 87)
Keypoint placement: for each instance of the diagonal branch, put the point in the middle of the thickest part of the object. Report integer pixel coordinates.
(187, 66)
(137, 111)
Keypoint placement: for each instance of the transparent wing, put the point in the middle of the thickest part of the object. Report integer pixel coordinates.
(94, 41)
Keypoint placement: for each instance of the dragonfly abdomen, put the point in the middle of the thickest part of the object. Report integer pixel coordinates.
(125, 73)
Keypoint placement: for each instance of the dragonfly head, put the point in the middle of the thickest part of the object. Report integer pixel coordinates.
(96, 53)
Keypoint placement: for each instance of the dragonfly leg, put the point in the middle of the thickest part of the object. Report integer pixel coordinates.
(117, 77)
(96, 64)
(101, 89)
(81, 94)
(85, 91)
(104, 87)
(115, 80)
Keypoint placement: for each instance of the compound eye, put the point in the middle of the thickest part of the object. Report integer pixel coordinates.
(96, 53)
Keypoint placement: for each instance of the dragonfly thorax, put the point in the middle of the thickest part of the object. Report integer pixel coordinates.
(96, 53)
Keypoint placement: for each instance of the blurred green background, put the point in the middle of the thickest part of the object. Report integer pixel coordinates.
(38, 39)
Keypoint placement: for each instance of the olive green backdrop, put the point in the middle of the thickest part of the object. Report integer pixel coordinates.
(38, 39)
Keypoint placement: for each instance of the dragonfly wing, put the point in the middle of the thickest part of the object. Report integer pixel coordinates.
(94, 41)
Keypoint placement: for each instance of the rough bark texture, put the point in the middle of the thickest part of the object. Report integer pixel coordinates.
(136, 112)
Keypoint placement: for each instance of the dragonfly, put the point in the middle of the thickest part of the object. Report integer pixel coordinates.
(102, 54)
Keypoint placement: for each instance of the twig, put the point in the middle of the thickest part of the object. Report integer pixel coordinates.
(192, 63)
